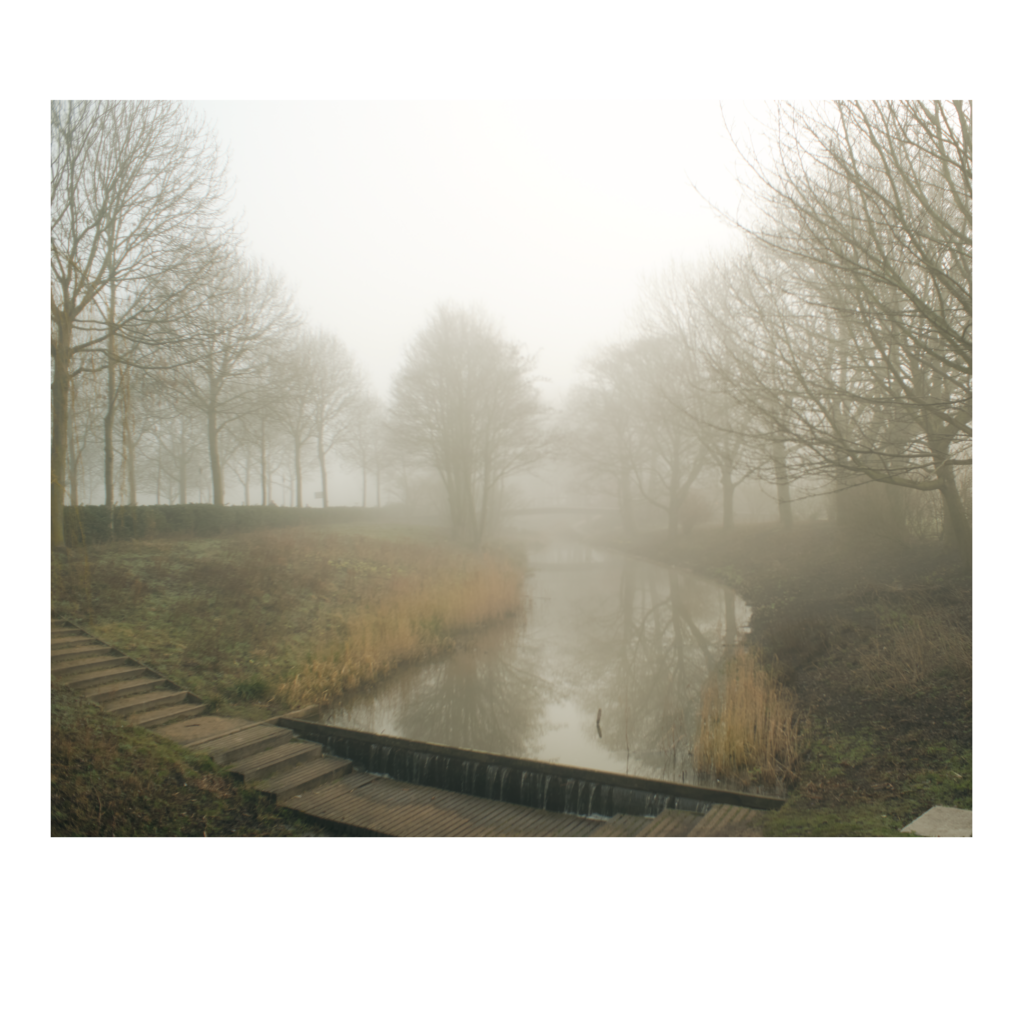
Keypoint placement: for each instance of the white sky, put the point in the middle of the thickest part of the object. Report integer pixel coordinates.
(546, 214)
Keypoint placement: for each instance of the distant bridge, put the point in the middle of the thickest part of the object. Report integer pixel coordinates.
(555, 508)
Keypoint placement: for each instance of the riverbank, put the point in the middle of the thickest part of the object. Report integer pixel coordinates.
(254, 625)
(873, 640)
(260, 623)
(108, 778)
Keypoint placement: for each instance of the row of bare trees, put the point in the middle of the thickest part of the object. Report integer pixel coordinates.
(833, 349)
(171, 348)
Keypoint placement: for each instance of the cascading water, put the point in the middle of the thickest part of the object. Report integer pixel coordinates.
(551, 787)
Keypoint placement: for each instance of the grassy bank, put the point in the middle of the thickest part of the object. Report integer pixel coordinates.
(110, 779)
(262, 622)
(871, 642)
(255, 624)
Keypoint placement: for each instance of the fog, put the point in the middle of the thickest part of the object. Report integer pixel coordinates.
(547, 215)
(452, 295)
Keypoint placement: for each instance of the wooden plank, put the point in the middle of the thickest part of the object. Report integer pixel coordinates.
(723, 826)
(380, 805)
(670, 822)
(484, 822)
(552, 824)
(446, 815)
(510, 820)
(575, 829)
(554, 827)
(449, 815)
(617, 825)
(628, 825)
(391, 807)
(708, 822)
(714, 820)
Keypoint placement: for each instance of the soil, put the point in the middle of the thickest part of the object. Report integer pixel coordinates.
(887, 727)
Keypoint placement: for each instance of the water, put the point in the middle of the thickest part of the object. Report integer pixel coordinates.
(603, 632)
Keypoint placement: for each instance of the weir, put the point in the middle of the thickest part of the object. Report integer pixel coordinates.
(551, 787)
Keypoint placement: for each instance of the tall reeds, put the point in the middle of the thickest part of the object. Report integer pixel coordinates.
(282, 618)
(415, 614)
(749, 725)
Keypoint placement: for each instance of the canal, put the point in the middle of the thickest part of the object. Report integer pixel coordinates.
(603, 670)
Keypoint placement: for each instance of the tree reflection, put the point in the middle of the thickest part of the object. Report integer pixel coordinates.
(632, 641)
(644, 664)
(491, 696)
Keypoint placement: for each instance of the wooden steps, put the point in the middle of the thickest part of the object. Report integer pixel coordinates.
(299, 776)
(387, 807)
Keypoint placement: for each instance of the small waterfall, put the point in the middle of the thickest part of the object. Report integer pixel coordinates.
(492, 774)
(532, 784)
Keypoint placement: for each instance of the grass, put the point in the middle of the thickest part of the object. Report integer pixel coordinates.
(749, 724)
(872, 641)
(266, 621)
(108, 778)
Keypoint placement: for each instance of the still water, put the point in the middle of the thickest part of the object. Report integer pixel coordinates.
(604, 670)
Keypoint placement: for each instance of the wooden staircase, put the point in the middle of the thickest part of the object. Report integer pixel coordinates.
(299, 775)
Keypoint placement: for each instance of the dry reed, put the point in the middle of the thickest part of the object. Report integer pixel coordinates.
(290, 615)
(748, 724)
(415, 615)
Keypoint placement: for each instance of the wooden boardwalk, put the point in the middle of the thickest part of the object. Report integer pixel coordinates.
(300, 776)
(386, 807)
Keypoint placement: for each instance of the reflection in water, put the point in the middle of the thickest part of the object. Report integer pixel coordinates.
(607, 641)
(489, 697)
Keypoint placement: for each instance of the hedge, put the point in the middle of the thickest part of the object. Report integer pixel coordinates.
(91, 524)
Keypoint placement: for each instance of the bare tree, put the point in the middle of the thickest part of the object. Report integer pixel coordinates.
(865, 316)
(601, 435)
(673, 306)
(338, 389)
(227, 340)
(136, 193)
(465, 403)
(364, 443)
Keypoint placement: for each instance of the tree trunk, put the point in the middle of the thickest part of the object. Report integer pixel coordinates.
(728, 490)
(264, 490)
(216, 472)
(73, 479)
(323, 471)
(956, 514)
(626, 504)
(129, 451)
(782, 484)
(60, 390)
(108, 428)
(182, 468)
(298, 475)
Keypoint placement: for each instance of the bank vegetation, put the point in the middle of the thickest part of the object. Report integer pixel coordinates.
(265, 621)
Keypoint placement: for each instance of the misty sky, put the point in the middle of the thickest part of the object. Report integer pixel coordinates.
(548, 215)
